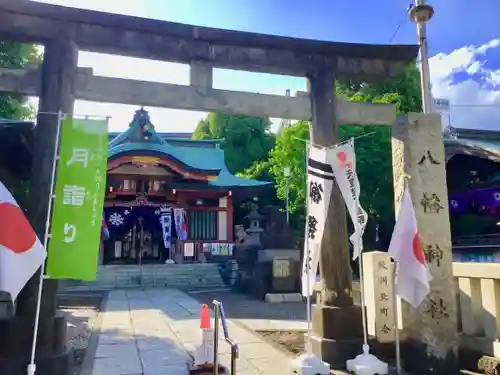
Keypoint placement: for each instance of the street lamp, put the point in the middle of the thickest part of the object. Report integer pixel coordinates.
(419, 15)
(286, 173)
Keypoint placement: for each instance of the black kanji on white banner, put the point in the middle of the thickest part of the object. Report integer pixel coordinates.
(312, 223)
(315, 191)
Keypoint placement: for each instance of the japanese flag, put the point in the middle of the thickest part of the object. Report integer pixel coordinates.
(21, 253)
(413, 276)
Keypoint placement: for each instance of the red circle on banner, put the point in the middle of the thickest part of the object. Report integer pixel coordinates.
(417, 249)
(342, 157)
(16, 233)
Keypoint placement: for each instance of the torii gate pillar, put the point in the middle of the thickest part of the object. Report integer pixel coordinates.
(336, 323)
(57, 87)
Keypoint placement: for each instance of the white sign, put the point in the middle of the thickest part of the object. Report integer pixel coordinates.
(188, 249)
(441, 104)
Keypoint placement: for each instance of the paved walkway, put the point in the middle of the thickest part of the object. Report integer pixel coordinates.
(152, 332)
(255, 314)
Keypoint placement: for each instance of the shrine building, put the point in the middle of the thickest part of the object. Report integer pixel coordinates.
(169, 198)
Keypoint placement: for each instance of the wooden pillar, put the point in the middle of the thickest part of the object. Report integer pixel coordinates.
(58, 74)
(230, 218)
(336, 322)
(418, 151)
(57, 94)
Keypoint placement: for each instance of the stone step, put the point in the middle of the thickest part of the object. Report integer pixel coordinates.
(193, 276)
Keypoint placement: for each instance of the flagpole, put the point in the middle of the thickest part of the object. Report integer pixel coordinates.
(32, 367)
(396, 319)
(397, 343)
(359, 250)
(308, 268)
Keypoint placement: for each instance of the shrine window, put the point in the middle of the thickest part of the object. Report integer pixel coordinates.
(202, 225)
(205, 202)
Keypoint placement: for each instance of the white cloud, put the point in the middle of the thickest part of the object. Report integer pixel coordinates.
(463, 76)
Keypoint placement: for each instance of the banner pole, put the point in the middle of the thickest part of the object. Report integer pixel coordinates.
(32, 367)
(358, 249)
(396, 319)
(308, 269)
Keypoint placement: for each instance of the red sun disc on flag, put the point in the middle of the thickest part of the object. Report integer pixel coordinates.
(417, 249)
(16, 233)
(342, 158)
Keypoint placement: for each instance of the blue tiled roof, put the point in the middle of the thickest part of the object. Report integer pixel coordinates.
(479, 143)
(202, 159)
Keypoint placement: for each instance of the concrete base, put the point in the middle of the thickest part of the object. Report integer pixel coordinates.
(337, 333)
(335, 352)
(283, 297)
(309, 364)
(59, 364)
(16, 335)
(333, 322)
(418, 362)
(367, 364)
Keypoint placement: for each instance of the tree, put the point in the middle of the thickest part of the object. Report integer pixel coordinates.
(373, 153)
(16, 55)
(245, 139)
(13, 106)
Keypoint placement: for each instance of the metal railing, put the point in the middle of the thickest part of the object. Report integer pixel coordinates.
(220, 316)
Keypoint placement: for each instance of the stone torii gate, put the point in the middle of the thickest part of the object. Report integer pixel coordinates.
(337, 329)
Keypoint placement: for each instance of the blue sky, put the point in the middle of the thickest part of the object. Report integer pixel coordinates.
(465, 63)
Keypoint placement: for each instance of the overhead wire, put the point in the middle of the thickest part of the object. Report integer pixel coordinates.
(391, 40)
(398, 27)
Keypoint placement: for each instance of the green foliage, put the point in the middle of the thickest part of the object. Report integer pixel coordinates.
(290, 152)
(402, 90)
(373, 153)
(245, 139)
(16, 55)
(12, 105)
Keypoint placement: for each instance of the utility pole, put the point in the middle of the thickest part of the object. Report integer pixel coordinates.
(286, 173)
(419, 15)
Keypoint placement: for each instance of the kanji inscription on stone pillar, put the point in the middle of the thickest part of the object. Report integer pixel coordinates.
(418, 152)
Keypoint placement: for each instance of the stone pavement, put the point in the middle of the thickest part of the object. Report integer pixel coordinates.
(257, 315)
(153, 332)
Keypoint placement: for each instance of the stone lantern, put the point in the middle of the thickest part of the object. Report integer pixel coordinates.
(254, 218)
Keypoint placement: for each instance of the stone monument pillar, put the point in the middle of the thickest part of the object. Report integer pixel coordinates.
(56, 94)
(431, 331)
(336, 323)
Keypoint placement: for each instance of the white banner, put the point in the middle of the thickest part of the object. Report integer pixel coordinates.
(166, 226)
(343, 161)
(319, 188)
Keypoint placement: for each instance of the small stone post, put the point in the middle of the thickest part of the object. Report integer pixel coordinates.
(379, 295)
(418, 151)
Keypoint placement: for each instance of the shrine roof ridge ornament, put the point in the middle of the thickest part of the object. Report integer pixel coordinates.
(33, 22)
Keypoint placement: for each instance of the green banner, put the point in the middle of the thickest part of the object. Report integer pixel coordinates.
(79, 197)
